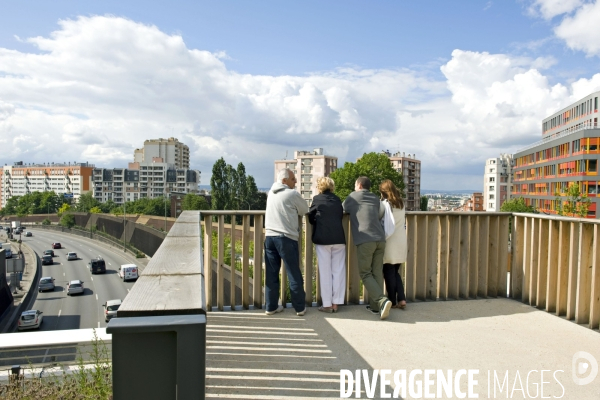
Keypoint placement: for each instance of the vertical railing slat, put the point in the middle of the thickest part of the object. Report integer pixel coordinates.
(584, 273)
(572, 282)
(442, 281)
(552, 278)
(542, 267)
(533, 260)
(208, 261)
(431, 276)
(411, 239)
(308, 265)
(352, 276)
(465, 253)
(526, 258)
(562, 284)
(421, 263)
(492, 268)
(595, 293)
(257, 281)
(245, 262)
(220, 261)
(503, 256)
(232, 277)
(454, 240)
(517, 238)
(475, 245)
(482, 261)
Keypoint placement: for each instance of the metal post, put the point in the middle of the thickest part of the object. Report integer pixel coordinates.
(124, 226)
(165, 199)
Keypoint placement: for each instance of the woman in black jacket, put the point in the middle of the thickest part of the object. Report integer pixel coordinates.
(325, 215)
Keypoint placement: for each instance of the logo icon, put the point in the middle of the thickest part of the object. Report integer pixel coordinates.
(585, 368)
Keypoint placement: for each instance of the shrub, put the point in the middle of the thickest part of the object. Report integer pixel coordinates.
(46, 221)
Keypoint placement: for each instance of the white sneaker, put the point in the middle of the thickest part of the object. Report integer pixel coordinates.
(301, 313)
(385, 310)
(278, 310)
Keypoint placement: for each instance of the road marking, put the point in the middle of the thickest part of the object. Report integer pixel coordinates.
(92, 278)
(98, 324)
(127, 290)
(59, 311)
(109, 264)
(96, 297)
(64, 274)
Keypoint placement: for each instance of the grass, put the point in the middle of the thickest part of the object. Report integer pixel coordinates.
(85, 383)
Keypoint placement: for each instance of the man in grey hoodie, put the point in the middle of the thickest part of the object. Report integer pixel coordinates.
(284, 205)
(366, 211)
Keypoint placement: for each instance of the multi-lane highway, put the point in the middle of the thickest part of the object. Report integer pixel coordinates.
(77, 311)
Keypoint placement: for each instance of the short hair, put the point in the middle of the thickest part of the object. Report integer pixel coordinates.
(325, 183)
(364, 182)
(282, 174)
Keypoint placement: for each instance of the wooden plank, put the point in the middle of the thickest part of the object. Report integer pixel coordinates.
(245, 262)
(164, 295)
(492, 261)
(431, 284)
(177, 257)
(257, 287)
(454, 241)
(208, 261)
(542, 267)
(517, 236)
(572, 280)
(503, 256)
(533, 260)
(584, 273)
(421, 263)
(465, 253)
(552, 278)
(474, 244)
(595, 286)
(482, 260)
(189, 217)
(526, 258)
(352, 276)
(220, 262)
(562, 275)
(232, 277)
(442, 281)
(308, 265)
(412, 244)
(184, 229)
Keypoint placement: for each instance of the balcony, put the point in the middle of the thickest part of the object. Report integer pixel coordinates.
(480, 296)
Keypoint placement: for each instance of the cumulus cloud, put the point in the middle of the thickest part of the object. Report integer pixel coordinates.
(549, 9)
(580, 31)
(97, 87)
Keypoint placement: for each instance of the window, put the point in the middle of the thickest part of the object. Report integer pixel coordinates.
(491, 197)
(492, 179)
(491, 205)
(491, 188)
(492, 170)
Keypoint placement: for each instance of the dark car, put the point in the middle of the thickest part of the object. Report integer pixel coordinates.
(56, 245)
(97, 266)
(49, 253)
(47, 260)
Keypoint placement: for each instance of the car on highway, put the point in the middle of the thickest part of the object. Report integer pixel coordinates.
(72, 256)
(128, 272)
(47, 260)
(97, 266)
(75, 287)
(28, 234)
(46, 283)
(49, 253)
(110, 309)
(56, 245)
(31, 319)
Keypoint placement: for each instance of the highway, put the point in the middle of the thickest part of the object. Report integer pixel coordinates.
(81, 310)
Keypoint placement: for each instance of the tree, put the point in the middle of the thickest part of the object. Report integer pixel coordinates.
(67, 220)
(377, 167)
(219, 185)
(516, 205)
(86, 202)
(64, 208)
(193, 201)
(576, 204)
(95, 210)
(423, 203)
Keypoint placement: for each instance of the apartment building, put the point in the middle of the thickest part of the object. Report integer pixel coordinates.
(68, 179)
(148, 180)
(170, 151)
(410, 168)
(567, 154)
(308, 166)
(497, 181)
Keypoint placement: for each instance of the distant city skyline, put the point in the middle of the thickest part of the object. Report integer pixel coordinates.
(454, 82)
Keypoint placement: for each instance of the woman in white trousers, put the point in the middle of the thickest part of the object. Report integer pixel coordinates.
(325, 215)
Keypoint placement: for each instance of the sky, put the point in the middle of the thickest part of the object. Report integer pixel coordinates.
(452, 82)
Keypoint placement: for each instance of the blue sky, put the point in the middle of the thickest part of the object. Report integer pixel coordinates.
(249, 80)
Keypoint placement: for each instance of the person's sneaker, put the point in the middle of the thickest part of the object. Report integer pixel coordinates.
(279, 309)
(385, 310)
(372, 311)
(301, 313)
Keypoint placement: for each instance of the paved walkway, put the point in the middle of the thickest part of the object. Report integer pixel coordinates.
(252, 356)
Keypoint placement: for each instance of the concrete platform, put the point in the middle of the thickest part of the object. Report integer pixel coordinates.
(251, 355)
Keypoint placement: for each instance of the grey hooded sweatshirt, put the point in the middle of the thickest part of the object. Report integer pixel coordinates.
(284, 205)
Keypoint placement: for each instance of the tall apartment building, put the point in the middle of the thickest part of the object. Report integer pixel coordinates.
(308, 166)
(568, 153)
(69, 179)
(410, 168)
(149, 180)
(497, 181)
(170, 151)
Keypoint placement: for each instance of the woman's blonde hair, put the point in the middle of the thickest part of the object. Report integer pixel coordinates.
(390, 193)
(325, 183)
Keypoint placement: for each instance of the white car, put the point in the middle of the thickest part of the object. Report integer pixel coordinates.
(72, 256)
(128, 272)
(31, 319)
(75, 287)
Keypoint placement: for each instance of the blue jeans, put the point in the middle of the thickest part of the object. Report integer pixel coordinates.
(279, 248)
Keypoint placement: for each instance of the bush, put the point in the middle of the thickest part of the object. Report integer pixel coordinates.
(139, 254)
(67, 220)
(46, 221)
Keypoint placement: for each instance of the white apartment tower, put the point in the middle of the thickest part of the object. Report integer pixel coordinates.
(497, 182)
(308, 166)
(170, 151)
(410, 168)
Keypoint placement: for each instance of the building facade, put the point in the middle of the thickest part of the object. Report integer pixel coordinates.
(410, 168)
(497, 181)
(308, 166)
(567, 154)
(147, 180)
(70, 180)
(170, 151)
